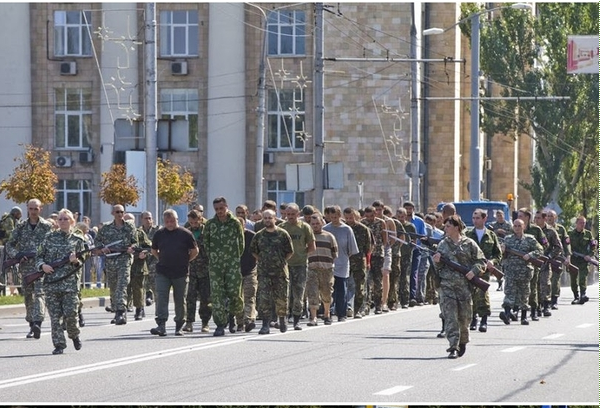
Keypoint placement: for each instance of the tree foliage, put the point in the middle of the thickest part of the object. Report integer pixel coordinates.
(525, 55)
(118, 188)
(32, 178)
(175, 184)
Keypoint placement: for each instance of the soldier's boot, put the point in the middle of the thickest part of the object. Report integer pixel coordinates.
(30, 334)
(178, 326)
(159, 330)
(219, 331)
(442, 332)
(524, 320)
(205, 327)
(121, 318)
(81, 320)
(231, 323)
(546, 310)
(37, 329)
(553, 303)
(114, 319)
(282, 324)
(249, 326)
(505, 316)
(139, 313)
(583, 298)
(499, 286)
(189, 327)
(534, 315)
(575, 298)
(473, 325)
(297, 323)
(483, 324)
(265, 329)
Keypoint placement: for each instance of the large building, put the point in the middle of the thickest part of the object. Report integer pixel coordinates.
(76, 84)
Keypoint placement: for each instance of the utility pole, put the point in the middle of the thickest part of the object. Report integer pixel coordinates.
(319, 110)
(150, 108)
(260, 127)
(475, 162)
(415, 120)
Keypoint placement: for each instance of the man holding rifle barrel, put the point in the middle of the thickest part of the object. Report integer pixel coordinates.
(583, 246)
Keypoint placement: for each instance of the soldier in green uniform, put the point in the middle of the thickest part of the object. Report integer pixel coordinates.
(490, 246)
(26, 237)
(8, 222)
(584, 244)
(61, 284)
(524, 214)
(502, 228)
(358, 262)
(395, 245)
(557, 271)
(405, 258)
(117, 266)
(518, 272)
(554, 251)
(139, 271)
(150, 283)
(272, 247)
(224, 243)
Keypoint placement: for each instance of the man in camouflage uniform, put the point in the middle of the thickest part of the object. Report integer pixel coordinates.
(118, 267)
(150, 283)
(303, 242)
(518, 272)
(583, 243)
(395, 245)
(377, 226)
(139, 271)
(490, 246)
(224, 243)
(358, 262)
(27, 237)
(8, 222)
(554, 251)
(502, 228)
(272, 247)
(524, 214)
(199, 281)
(557, 271)
(405, 258)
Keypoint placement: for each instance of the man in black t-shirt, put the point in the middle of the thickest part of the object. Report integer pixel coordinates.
(174, 247)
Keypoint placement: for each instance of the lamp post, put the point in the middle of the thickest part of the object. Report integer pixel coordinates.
(475, 163)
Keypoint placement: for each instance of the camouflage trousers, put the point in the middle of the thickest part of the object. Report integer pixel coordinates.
(545, 283)
(481, 299)
(579, 281)
(118, 275)
(457, 316)
(376, 274)
(273, 289)
(534, 288)
(61, 305)
(358, 269)
(135, 290)
(516, 291)
(33, 296)
(226, 292)
(404, 279)
(249, 288)
(394, 281)
(319, 286)
(555, 280)
(151, 278)
(431, 294)
(297, 287)
(198, 290)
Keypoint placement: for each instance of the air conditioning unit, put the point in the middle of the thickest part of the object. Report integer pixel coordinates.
(268, 158)
(68, 68)
(63, 161)
(179, 68)
(86, 157)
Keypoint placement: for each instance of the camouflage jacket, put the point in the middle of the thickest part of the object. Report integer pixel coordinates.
(583, 243)
(271, 250)
(7, 225)
(127, 234)
(26, 239)
(489, 244)
(57, 245)
(564, 238)
(364, 240)
(224, 241)
(466, 252)
(528, 244)
(555, 247)
(139, 266)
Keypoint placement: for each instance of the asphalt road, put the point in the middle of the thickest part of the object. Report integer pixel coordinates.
(392, 358)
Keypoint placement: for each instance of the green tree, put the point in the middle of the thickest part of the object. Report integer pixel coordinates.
(175, 184)
(117, 187)
(525, 55)
(32, 178)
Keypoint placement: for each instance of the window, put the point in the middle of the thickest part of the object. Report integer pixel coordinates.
(179, 33)
(277, 191)
(72, 33)
(181, 104)
(76, 195)
(286, 119)
(73, 117)
(286, 31)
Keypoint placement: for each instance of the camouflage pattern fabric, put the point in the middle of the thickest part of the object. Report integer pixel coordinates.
(249, 290)
(151, 261)
(199, 281)
(554, 250)
(584, 243)
(534, 285)
(518, 272)
(556, 270)
(139, 271)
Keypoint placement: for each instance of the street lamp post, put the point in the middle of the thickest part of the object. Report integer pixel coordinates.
(475, 162)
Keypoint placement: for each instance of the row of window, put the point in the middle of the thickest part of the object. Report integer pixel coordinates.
(76, 195)
(73, 116)
(179, 33)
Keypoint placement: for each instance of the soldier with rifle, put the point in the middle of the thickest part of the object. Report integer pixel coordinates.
(489, 244)
(502, 228)
(557, 269)
(519, 250)
(553, 252)
(583, 246)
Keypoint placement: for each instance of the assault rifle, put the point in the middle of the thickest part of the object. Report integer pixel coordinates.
(476, 280)
(116, 251)
(582, 256)
(32, 277)
(19, 257)
(541, 260)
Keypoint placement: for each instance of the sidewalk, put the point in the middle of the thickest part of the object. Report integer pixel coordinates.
(19, 310)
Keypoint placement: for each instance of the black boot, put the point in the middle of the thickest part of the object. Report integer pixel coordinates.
(159, 330)
(524, 320)
(37, 329)
(231, 323)
(219, 331)
(442, 333)
(575, 298)
(297, 323)
(121, 317)
(81, 320)
(30, 334)
(546, 311)
(553, 303)
(583, 298)
(483, 324)
(534, 316)
(265, 327)
(139, 313)
(505, 316)
(282, 324)
(77, 343)
(473, 325)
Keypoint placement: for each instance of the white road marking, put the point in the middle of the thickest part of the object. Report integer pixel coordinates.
(394, 390)
(584, 326)
(463, 367)
(553, 336)
(513, 349)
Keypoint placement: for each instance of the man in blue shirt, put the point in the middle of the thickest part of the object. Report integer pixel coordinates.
(417, 255)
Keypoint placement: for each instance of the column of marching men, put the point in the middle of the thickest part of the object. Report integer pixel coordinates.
(237, 267)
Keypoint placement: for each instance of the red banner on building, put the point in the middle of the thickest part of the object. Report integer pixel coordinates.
(582, 54)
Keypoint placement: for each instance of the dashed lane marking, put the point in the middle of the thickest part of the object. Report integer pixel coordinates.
(394, 390)
(463, 367)
(553, 336)
(513, 349)
(584, 326)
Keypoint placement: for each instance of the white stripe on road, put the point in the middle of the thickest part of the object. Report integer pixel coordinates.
(394, 390)
(513, 349)
(584, 326)
(463, 367)
(553, 336)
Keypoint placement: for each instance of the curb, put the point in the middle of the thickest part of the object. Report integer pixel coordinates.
(19, 310)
